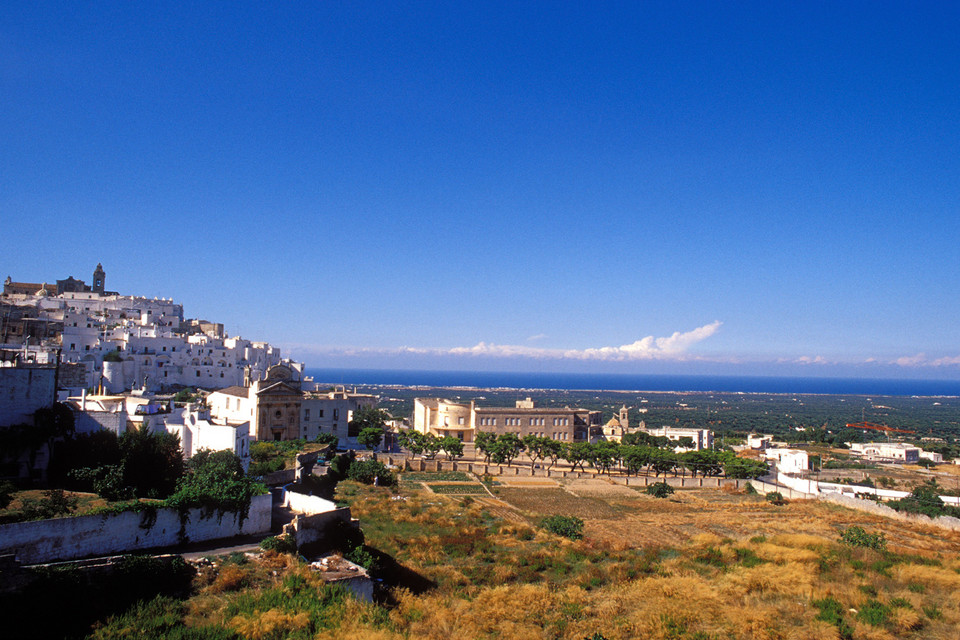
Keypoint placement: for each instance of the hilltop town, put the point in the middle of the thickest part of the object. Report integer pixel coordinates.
(126, 428)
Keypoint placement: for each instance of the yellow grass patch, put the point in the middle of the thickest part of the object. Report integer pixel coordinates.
(935, 577)
(267, 623)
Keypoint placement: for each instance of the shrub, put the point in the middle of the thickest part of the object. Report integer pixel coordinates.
(566, 526)
(873, 613)
(831, 611)
(7, 489)
(775, 497)
(659, 490)
(281, 544)
(55, 502)
(750, 490)
(711, 556)
(371, 472)
(361, 556)
(856, 536)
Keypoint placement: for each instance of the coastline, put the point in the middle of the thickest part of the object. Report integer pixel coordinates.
(633, 384)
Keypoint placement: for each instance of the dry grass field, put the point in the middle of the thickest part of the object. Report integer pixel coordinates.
(700, 565)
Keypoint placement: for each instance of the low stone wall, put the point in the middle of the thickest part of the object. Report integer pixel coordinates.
(320, 530)
(284, 476)
(870, 506)
(786, 492)
(481, 469)
(60, 539)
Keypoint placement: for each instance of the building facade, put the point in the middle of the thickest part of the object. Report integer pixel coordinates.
(463, 420)
(701, 438)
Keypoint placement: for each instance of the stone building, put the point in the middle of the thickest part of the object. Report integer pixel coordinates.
(463, 420)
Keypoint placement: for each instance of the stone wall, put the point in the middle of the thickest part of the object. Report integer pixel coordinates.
(870, 506)
(481, 469)
(60, 539)
(23, 390)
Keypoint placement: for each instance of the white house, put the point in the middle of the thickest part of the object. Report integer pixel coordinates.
(886, 451)
(702, 438)
(789, 460)
(197, 431)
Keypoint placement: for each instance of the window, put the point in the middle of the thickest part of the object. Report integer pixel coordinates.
(277, 414)
(198, 373)
(460, 420)
(306, 414)
(336, 414)
(86, 347)
(320, 413)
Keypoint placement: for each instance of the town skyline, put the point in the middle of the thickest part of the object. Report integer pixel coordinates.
(743, 190)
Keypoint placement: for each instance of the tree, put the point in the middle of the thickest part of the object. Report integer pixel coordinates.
(327, 438)
(744, 468)
(215, 482)
(662, 461)
(636, 457)
(553, 450)
(7, 490)
(452, 446)
(431, 446)
(705, 461)
(413, 441)
(152, 462)
(535, 447)
(365, 418)
(507, 447)
(576, 453)
(370, 437)
(602, 456)
(483, 441)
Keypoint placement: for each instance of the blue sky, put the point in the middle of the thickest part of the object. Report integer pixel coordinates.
(692, 187)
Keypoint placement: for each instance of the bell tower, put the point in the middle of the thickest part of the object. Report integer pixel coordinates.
(99, 278)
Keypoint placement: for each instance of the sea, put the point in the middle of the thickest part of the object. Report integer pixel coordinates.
(635, 382)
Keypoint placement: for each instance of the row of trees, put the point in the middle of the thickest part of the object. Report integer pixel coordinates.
(636, 453)
(429, 445)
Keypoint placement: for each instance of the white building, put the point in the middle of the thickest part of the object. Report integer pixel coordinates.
(702, 438)
(759, 441)
(886, 451)
(153, 345)
(932, 456)
(197, 431)
(794, 461)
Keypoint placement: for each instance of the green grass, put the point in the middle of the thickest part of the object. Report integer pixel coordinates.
(435, 476)
(457, 489)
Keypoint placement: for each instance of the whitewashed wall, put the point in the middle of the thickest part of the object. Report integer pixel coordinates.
(79, 537)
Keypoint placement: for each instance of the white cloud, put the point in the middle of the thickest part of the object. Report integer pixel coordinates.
(912, 361)
(539, 336)
(921, 360)
(811, 360)
(650, 348)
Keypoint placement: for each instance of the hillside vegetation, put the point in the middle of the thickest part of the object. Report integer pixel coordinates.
(696, 565)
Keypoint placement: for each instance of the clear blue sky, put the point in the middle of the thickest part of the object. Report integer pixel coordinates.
(776, 183)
